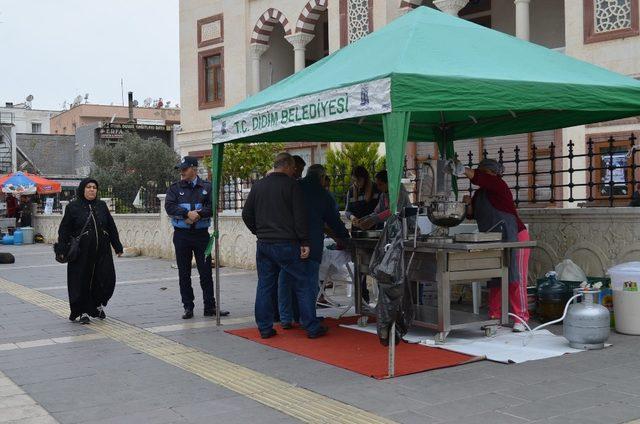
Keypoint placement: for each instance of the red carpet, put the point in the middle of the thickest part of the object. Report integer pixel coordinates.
(357, 351)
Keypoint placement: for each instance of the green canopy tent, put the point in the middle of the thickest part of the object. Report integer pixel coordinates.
(427, 77)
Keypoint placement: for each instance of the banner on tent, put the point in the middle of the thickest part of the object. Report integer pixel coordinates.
(369, 98)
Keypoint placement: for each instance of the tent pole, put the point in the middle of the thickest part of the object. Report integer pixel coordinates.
(217, 259)
(396, 131)
(217, 152)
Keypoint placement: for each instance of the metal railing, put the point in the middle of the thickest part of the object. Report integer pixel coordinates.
(600, 172)
(119, 201)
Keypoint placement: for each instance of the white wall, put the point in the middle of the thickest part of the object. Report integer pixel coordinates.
(152, 234)
(196, 123)
(277, 62)
(23, 118)
(620, 55)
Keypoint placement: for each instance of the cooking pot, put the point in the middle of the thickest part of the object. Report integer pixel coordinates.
(446, 213)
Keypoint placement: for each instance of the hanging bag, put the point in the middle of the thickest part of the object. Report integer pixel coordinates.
(70, 253)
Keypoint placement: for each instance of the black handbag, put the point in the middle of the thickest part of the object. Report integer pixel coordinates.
(70, 253)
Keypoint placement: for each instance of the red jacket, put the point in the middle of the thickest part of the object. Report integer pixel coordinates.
(12, 207)
(498, 193)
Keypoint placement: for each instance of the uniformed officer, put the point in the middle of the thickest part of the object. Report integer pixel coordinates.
(188, 203)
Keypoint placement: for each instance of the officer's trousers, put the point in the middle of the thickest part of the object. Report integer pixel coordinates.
(188, 243)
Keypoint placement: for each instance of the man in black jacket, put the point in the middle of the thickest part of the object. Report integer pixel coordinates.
(188, 203)
(275, 212)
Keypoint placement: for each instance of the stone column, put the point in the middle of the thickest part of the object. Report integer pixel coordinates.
(256, 50)
(522, 19)
(166, 230)
(299, 42)
(451, 7)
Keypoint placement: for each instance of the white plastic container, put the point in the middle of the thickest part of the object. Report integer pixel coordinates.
(625, 281)
(27, 235)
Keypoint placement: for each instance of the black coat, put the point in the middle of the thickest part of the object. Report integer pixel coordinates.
(91, 278)
(275, 210)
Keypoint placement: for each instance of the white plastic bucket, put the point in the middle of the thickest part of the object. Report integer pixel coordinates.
(27, 235)
(625, 282)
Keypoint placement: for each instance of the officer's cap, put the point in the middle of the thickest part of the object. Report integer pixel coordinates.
(187, 162)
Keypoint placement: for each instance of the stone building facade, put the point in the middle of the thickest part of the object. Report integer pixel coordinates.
(230, 49)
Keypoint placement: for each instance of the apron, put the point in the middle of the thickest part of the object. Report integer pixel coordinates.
(487, 216)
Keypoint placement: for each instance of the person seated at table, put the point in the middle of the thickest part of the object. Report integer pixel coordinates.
(321, 210)
(492, 205)
(363, 194)
(382, 212)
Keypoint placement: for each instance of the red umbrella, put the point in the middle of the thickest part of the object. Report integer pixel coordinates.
(26, 183)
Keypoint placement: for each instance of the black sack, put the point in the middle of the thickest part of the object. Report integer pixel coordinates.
(386, 260)
(394, 299)
(394, 305)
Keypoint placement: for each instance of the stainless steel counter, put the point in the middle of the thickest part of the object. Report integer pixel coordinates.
(446, 264)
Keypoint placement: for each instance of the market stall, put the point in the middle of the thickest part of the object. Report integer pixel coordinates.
(427, 77)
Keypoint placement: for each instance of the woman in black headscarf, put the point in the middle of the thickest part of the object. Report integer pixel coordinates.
(91, 277)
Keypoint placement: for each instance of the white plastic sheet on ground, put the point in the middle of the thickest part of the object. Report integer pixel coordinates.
(505, 347)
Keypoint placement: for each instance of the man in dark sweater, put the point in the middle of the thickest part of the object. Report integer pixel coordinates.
(275, 212)
(321, 209)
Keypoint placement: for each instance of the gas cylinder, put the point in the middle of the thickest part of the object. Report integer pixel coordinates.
(587, 323)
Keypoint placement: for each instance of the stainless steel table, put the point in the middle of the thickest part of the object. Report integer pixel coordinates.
(446, 264)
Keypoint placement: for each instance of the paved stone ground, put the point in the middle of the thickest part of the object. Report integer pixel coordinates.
(53, 370)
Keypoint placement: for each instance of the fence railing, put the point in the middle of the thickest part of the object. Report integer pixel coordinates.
(128, 200)
(600, 172)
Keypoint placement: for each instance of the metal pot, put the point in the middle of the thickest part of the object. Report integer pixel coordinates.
(447, 214)
(587, 323)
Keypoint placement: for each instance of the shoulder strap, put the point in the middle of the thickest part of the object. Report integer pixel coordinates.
(84, 227)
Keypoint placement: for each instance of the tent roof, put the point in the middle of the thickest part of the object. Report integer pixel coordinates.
(450, 74)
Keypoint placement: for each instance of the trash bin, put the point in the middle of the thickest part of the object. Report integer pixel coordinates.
(625, 279)
(27, 235)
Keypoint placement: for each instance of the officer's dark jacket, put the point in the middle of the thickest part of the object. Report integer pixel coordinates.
(183, 197)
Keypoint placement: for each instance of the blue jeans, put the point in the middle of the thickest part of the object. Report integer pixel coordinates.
(287, 299)
(271, 260)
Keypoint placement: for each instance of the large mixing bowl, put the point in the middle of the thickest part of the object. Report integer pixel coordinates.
(447, 214)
